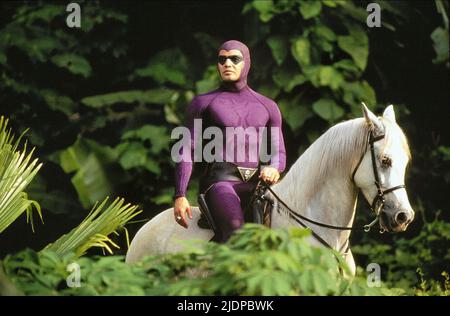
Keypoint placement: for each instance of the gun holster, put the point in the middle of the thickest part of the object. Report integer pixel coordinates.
(203, 206)
(220, 171)
(261, 206)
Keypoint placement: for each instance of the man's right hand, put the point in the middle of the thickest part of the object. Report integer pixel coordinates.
(180, 209)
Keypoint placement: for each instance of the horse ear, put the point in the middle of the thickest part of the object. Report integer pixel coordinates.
(370, 118)
(389, 113)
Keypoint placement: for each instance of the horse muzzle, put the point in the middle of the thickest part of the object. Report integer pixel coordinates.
(395, 220)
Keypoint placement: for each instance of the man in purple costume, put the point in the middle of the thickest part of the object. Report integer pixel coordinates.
(234, 104)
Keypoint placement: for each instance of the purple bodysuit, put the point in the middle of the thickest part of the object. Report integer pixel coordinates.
(234, 104)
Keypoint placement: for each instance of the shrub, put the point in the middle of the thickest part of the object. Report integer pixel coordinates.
(255, 261)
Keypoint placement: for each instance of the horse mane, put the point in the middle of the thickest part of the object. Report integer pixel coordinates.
(338, 149)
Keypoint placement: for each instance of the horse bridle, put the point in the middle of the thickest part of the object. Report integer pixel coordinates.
(380, 192)
(378, 198)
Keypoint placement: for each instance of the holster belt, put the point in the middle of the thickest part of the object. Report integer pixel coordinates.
(226, 171)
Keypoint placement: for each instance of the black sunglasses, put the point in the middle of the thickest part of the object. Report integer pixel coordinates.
(235, 59)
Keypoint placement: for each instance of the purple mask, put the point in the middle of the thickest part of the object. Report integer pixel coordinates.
(242, 81)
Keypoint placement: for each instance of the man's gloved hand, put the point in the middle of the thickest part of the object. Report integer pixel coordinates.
(270, 175)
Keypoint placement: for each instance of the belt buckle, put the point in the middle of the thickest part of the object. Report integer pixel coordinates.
(246, 173)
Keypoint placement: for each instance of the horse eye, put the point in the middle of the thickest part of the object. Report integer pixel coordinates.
(386, 162)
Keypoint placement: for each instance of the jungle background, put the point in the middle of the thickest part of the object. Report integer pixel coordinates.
(100, 101)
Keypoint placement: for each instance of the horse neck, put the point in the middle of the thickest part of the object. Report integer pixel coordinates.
(324, 193)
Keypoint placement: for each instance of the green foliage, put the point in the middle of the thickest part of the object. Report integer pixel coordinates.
(101, 107)
(356, 44)
(90, 163)
(17, 170)
(209, 82)
(157, 96)
(133, 153)
(74, 63)
(310, 9)
(279, 47)
(427, 252)
(311, 63)
(167, 66)
(46, 270)
(440, 43)
(328, 109)
(95, 228)
(433, 288)
(440, 36)
(91, 115)
(256, 261)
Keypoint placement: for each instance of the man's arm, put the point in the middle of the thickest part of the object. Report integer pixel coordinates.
(271, 173)
(278, 159)
(183, 169)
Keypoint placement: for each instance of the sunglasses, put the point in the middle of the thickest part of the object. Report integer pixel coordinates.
(235, 59)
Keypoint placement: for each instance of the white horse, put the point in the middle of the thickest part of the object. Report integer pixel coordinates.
(321, 186)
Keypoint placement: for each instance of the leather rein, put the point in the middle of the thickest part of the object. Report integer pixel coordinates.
(373, 206)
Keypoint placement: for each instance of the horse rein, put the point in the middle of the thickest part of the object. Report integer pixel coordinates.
(379, 197)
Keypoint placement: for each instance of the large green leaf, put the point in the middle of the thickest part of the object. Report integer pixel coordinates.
(300, 49)
(348, 65)
(93, 167)
(95, 228)
(265, 8)
(76, 64)
(356, 45)
(440, 44)
(91, 181)
(329, 3)
(169, 65)
(134, 155)
(358, 13)
(321, 283)
(41, 47)
(325, 32)
(328, 109)
(17, 170)
(209, 82)
(58, 102)
(357, 92)
(288, 78)
(312, 73)
(45, 13)
(279, 47)
(310, 9)
(155, 96)
(158, 135)
(294, 113)
(329, 76)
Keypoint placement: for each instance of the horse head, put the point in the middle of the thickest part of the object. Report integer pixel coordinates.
(380, 174)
